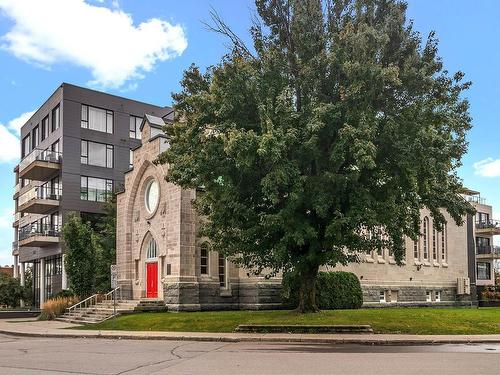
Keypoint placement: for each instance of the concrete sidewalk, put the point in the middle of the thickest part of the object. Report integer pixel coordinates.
(35, 328)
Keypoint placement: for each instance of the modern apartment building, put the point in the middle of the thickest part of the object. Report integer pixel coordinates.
(75, 150)
(483, 229)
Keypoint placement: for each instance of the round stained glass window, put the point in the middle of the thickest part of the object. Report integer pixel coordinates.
(151, 196)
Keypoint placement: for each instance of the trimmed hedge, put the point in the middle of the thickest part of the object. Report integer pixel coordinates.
(334, 290)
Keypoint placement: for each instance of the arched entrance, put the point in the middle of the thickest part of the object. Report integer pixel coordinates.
(152, 270)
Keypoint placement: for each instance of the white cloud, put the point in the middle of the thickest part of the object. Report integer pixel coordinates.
(9, 146)
(101, 39)
(9, 140)
(487, 168)
(18, 122)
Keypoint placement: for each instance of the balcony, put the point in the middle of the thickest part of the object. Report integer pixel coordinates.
(17, 187)
(489, 227)
(39, 200)
(15, 219)
(486, 252)
(37, 235)
(40, 165)
(15, 248)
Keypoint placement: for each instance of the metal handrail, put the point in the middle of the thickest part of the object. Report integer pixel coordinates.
(87, 302)
(109, 296)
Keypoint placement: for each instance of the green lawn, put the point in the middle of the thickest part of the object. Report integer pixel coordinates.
(394, 320)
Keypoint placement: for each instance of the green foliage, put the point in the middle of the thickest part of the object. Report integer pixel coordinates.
(64, 293)
(106, 237)
(11, 291)
(331, 134)
(80, 247)
(334, 290)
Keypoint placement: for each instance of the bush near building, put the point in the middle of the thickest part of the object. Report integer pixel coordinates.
(11, 291)
(55, 307)
(334, 290)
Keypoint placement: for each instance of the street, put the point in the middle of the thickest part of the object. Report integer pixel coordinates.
(24, 355)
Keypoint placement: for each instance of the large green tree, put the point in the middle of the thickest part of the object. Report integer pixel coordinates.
(80, 248)
(105, 229)
(323, 140)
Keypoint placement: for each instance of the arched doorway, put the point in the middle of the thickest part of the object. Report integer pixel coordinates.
(152, 270)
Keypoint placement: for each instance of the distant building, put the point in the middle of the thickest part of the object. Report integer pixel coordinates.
(7, 270)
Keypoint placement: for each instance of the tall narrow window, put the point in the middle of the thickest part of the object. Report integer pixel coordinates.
(135, 127)
(152, 249)
(415, 250)
(131, 159)
(34, 137)
(204, 259)
(444, 250)
(55, 118)
(222, 271)
(434, 244)
(425, 238)
(45, 128)
(25, 147)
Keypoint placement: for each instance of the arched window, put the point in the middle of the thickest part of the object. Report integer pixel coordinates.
(425, 237)
(444, 245)
(152, 249)
(204, 248)
(434, 244)
(416, 255)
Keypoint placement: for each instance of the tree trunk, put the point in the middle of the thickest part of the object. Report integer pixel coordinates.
(307, 291)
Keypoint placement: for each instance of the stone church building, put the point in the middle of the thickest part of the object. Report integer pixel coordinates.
(159, 255)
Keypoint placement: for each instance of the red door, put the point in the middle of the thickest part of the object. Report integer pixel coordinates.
(152, 280)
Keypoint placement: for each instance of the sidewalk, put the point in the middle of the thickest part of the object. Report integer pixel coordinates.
(34, 328)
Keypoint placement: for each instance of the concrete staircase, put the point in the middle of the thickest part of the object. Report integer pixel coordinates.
(151, 306)
(98, 312)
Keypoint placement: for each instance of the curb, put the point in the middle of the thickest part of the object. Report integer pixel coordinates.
(311, 340)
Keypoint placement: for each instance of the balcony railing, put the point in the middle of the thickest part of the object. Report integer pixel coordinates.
(95, 195)
(488, 224)
(37, 229)
(16, 217)
(475, 199)
(47, 192)
(41, 155)
(483, 249)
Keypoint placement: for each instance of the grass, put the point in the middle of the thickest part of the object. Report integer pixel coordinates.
(436, 321)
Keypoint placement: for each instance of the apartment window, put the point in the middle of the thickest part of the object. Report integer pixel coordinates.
(222, 271)
(135, 127)
(415, 250)
(55, 147)
(426, 239)
(483, 218)
(95, 189)
(443, 244)
(99, 154)
(204, 259)
(483, 270)
(34, 137)
(428, 296)
(55, 118)
(131, 159)
(97, 119)
(25, 147)
(381, 297)
(434, 244)
(45, 128)
(437, 296)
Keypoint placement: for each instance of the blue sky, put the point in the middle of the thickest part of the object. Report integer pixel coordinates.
(148, 44)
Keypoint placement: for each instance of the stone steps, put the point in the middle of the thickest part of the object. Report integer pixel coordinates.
(99, 312)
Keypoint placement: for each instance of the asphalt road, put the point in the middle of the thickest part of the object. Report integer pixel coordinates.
(23, 355)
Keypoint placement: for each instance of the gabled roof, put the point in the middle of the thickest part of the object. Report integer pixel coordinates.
(154, 121)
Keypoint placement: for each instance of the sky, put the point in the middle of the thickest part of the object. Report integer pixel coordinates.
(139, 49)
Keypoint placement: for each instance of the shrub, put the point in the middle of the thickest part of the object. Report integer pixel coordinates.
(11, 291)
(55, 307)
(64, 293)
(334, 290)
(490, 295)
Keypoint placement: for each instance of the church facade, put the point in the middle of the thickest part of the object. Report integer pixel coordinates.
(160, 256)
